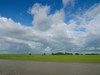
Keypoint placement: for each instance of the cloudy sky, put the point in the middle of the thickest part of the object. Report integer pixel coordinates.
(46, 26)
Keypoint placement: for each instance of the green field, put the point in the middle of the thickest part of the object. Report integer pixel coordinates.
(56, 58)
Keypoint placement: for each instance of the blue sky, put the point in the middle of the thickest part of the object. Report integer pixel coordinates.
(17, 9)
(48, 26)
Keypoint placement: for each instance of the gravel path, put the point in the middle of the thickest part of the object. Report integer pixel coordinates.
(16, 67)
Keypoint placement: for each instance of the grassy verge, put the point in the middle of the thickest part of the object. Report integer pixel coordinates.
(57, 58)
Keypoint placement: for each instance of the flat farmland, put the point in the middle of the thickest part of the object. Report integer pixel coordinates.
(55, 58)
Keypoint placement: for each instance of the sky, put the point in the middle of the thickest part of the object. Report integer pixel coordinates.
(46, 26)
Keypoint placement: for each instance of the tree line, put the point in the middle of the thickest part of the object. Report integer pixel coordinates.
(60, 53)
(66, 53)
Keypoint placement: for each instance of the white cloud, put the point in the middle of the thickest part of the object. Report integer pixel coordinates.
(94, 11)
(91, 22)
(47, 49)
(50, 33)
(66, 2)
(43, 20)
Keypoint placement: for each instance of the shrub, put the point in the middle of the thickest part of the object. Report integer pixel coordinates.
(43, 54)
(92, 54)
(68, 53)
(30, 54)
(76, 53)
(60, 53)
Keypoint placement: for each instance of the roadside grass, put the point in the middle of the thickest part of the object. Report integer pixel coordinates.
(55, 58)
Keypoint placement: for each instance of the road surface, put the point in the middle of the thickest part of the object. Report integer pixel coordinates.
(16, 67)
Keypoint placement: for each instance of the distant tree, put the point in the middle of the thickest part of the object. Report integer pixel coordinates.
(92, 54)
(30, 54)
(44, 53)
(60, 53)
(76, 53)
(52, 53)
(68, 53)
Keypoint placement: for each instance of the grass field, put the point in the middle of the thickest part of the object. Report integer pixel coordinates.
(56, 58)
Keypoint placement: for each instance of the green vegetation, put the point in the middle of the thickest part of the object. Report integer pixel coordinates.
(30, 54)
(76, 53)
(56, 58)
(92, 54)
(60, 53)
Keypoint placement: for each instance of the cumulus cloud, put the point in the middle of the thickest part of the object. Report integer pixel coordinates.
(66, 2)
(50, 33)
(90, 21)
(43, 20)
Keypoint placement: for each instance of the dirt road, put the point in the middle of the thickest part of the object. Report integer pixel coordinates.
(16, 67)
